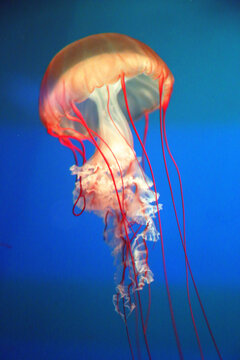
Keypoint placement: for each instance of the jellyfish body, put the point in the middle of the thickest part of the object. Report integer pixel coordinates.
(113, 184)
(93, 90)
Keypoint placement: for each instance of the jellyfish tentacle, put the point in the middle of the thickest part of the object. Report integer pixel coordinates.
(145, 138)
(159, 220)
(127, 331)
(80, 196)
(183, 239)
(80, 116)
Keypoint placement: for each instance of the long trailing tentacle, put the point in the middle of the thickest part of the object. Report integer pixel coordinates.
(183, 241)
(159, 219)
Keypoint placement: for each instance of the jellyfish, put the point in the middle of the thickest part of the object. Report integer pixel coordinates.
(93, 91)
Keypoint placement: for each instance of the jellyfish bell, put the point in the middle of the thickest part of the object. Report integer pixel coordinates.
(81, 72)
(94, 90)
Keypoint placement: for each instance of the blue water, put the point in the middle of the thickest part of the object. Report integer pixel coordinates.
(56, 281)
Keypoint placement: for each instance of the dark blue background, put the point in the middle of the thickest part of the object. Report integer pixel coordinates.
(56, 281)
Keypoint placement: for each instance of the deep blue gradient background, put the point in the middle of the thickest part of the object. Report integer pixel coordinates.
(56, 281)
